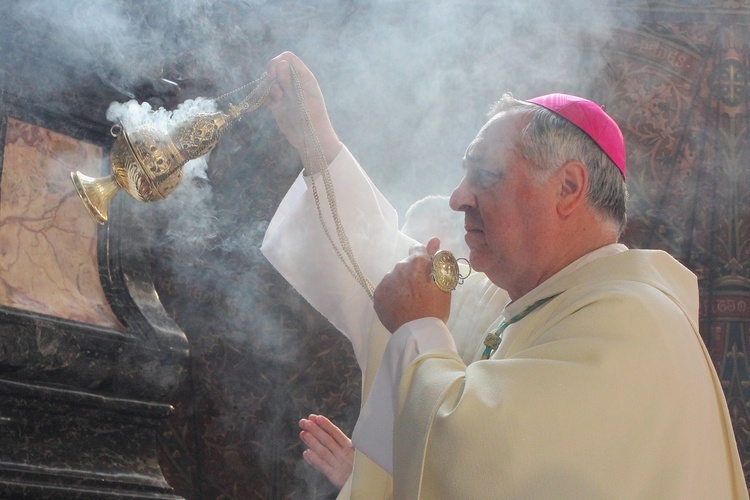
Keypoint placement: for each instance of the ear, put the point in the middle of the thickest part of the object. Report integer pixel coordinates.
(573, 183)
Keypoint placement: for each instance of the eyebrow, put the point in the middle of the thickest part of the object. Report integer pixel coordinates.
(472, 156)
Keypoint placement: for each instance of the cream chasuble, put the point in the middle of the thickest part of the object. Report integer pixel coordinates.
(604, 392)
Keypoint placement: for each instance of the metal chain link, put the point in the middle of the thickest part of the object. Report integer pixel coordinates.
(352, 266)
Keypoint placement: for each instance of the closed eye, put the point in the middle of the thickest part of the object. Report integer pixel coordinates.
(485, 178)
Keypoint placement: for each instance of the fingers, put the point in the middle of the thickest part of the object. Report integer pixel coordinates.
(321, 435)
(329, 450)
(426, 251)
(331, 430)
(279, 70)
(273, 64)
(282, 82)
(278, 67)
(317, 454)
(280, 73)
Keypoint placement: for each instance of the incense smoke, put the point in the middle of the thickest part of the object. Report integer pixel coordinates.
(407, 86)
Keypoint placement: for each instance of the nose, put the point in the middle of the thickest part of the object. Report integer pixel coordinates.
(461, 199)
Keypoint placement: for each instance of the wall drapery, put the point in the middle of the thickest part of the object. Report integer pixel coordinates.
(678, 85)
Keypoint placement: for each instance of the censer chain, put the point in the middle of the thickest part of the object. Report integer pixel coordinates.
(349, 261)
(251, 102)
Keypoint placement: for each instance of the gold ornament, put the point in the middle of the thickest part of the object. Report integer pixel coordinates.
(445, 272)
(147, 163)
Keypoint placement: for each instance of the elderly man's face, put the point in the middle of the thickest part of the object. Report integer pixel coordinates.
(508, 214)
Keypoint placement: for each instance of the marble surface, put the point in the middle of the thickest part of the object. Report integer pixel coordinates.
(48, 260)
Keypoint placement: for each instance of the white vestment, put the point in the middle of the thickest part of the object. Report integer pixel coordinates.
(606, 391)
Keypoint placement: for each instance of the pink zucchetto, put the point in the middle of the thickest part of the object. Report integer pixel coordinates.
(591, 118)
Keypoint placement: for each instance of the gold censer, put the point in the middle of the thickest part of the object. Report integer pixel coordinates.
(147, 163)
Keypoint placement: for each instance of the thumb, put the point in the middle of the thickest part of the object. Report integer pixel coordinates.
(433, 246)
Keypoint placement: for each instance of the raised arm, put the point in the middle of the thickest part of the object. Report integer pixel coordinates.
(296, 243)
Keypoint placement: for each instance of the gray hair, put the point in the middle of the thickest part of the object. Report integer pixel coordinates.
(549, 141)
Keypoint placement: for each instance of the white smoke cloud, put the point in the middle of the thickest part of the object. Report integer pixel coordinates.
(407, 85)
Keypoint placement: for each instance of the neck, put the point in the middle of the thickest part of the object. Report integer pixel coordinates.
(559, 257)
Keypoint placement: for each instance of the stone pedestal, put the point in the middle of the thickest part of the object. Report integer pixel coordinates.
(60, 443)
(89, 359)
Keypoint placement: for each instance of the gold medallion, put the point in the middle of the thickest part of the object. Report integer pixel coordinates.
(445, 272)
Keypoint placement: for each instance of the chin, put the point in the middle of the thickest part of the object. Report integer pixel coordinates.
(476, 261)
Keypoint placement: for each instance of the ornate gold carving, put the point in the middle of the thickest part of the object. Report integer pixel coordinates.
(445, 271)
(147, 163)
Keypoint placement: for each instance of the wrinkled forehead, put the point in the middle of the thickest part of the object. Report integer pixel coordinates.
(500, 135)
